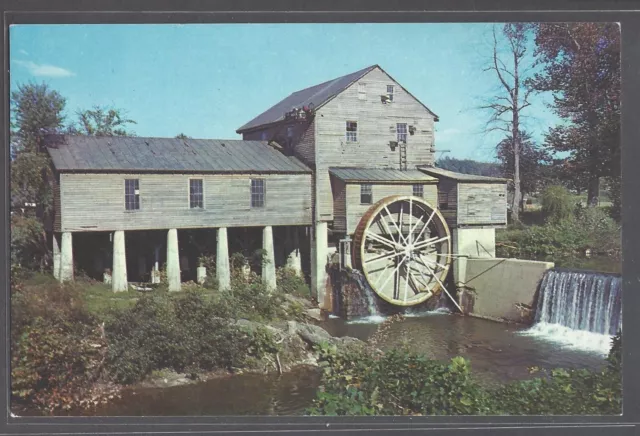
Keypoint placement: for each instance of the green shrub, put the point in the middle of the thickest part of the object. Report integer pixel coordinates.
(55, 363)
(401, 382)
(292, 283)
(557, 204)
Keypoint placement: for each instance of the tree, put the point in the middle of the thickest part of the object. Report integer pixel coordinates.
(468, 166)
(101, 121)
(36, 111)
(582, 68)
(182, 136)
(533, 162)
(506, 107)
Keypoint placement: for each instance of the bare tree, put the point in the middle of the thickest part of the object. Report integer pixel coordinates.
(506, 107)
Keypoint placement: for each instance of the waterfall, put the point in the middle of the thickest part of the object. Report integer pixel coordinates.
(579, 308)
(369, 300)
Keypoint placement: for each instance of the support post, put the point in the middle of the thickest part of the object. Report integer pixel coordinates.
(66, 258)
(319, 252)
(155, 272)
(56, 256)
(223, 269)
(269, 263)
(294, 261)
(173, 261)
(119, 280)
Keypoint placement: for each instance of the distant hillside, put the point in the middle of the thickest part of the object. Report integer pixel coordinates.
(468, 166)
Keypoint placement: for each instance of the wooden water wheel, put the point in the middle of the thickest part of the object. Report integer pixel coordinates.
(402, 245)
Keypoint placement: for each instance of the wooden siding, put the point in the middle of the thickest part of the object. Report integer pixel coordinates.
(482, 204)
(302, 142)
(376, 127)
(93, 202)
(355, 210)
(448, 194)
(339, 205)
(57, 209)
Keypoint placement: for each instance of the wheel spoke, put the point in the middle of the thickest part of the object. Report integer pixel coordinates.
(410, 219)
(400, 236)
(445, 289)
(387, 229)
(393, 273)
(382, 240)
(429, 242)
(426, 224)
(432, 262)
(384, 256)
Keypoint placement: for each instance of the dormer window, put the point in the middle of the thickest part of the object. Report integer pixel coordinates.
(390, 92)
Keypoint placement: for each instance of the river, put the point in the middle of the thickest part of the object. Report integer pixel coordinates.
(498, 353)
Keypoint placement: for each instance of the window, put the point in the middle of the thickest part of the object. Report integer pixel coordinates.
(290, 132)
(366, 194)
(390, 92)
(132, 194)
(362, 91)
(263, 136)
(352, 131)
(257, 192)
(196, 194)
(401, 128)
(418, 190)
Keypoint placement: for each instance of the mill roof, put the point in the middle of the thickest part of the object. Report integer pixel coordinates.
(460, 177)
(77, 153)
(381, 175)
(314, 96)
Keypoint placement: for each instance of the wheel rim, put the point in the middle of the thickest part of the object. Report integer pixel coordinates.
(402, 245)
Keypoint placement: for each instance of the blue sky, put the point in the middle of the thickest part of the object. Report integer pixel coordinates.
(206, 80)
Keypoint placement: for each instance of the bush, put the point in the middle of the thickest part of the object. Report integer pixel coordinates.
(290, 282)
(557, 204)
(401, 382)
(182, 333)
(29, 248)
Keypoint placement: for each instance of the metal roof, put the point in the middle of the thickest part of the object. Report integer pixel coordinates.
(123, 153)
(388, 175)
(315, 95)
(439, 172)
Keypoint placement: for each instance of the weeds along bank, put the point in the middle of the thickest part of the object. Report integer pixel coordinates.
(75, 345)
(567, 231)
(402, 382)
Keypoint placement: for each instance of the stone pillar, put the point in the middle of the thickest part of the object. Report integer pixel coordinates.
(269, 264)
(56, 256)
(319, 252)
(294, 261)
(119, 280)
(348, 249)
(223, 269)
(201, 275)
(173, 261)
(66, 258)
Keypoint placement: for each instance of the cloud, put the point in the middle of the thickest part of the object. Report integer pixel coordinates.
(43, 70)
(24, 52)
(446, 135)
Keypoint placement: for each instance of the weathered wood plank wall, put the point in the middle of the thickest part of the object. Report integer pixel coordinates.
(482, 203)
(376, 127)
(94, 202)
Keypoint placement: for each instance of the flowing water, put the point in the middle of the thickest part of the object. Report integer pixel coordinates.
(576, 314)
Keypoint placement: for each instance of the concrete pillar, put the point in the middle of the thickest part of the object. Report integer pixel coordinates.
(294, 261)
(56, 256)
(119, 280)
(319, 252)
(66, 258)
(223, 269)
(201, 275)
(173, 261)
(348, 248)
(269, 264)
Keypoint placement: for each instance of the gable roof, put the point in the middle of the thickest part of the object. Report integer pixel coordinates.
(78, 153)
(460, 177)
(382, 175)
(316, 95)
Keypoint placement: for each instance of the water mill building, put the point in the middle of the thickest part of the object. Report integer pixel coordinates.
(343, 169)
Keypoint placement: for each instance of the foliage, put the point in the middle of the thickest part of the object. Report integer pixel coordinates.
(36, 110)
(468, 166)
(101, 121)
(182, 333)
(557, 204)
(581, 66)
(182, 136)
(401, 382)
(292, 283)
(590, 229)
(533, 161)
(29, 248)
